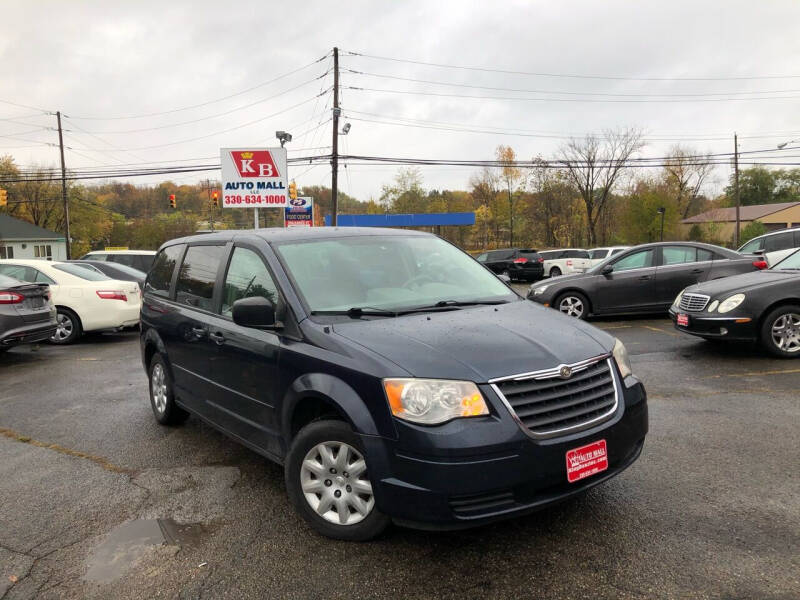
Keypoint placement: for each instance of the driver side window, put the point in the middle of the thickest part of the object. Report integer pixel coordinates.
(637, 260)
(247, 276)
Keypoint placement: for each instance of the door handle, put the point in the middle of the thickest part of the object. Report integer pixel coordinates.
(199, 331)
(644, 277)
(696, 271)
(217, 337)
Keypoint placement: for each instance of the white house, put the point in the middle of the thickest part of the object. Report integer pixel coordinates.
(20, 239)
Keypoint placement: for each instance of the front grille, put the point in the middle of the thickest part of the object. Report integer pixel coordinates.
(694, 302)
(548, 404)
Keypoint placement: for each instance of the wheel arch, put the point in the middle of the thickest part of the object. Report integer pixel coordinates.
(314, 395)
(776, 304)
(73, 311)
(558, 295)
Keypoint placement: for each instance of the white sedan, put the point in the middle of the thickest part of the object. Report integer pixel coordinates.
(85, 299)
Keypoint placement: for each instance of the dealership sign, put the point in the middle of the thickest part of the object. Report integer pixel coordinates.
(253, 177)
(300, 212)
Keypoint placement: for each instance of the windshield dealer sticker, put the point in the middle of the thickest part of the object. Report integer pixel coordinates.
(586, 461)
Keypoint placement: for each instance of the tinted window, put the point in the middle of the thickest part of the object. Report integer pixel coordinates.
(637, 260)
(598, 254)
(160, 278)
(501, 254)
(40, 277)
(703, 255)
(247, 276)
(617, 251)
(19, 272)
(197, 276)
(577, 254)
(530, 255)
(753, 245)
(84, 272)
(676, 255)
(143, 262)
(779, 241)
(122, 259)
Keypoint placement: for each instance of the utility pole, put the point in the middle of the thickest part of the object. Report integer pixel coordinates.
(64, 184)
(736, 187)
(335, 153)
(511, 217)
(210, 204)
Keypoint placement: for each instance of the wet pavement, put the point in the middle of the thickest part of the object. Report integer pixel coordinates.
(98, 501)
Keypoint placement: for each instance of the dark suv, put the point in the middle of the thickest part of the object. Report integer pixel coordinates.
(392, 376)
(515, 263)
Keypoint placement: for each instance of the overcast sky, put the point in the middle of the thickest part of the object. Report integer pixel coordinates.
(99, 60)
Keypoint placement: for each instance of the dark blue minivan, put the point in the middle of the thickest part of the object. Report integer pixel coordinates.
(394, 377)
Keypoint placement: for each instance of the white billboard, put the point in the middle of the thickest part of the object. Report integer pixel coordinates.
(254, 177)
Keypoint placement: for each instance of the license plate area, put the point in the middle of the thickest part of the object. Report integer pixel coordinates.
(683, 320)
(586, 461)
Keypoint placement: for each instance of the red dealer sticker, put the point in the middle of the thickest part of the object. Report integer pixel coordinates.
(586, 461)
(683, 320)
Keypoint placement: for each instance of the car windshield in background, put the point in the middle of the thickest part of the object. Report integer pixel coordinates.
(388, 273)
(84, 272)
(790, 263)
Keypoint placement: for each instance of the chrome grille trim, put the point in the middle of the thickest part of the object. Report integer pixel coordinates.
(694, 302)
(553, 373)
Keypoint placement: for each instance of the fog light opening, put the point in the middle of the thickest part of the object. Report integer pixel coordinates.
(723, 331)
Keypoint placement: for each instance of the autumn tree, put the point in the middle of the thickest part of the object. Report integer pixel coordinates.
(512, 177)
(685, 173)
(593, 166)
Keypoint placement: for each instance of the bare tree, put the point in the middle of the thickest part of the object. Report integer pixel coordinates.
(593, 166)
(685, 173)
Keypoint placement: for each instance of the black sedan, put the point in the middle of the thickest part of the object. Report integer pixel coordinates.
(116, 271)
(524, 264)
(643, 279)
(762, 307)
(26, 313)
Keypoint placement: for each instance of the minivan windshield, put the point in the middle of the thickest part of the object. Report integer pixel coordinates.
(387, 273)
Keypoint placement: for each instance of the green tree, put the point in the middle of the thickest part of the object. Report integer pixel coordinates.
(752, 230)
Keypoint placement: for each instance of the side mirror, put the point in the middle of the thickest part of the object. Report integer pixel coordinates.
(607, 270)
(256, 312)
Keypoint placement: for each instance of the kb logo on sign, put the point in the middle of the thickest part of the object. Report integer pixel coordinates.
(257, 163)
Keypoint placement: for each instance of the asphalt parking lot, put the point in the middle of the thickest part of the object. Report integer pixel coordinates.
(711, 510)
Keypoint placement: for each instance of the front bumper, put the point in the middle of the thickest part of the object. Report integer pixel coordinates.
(736, 327)
(474, 471)
(29, 334)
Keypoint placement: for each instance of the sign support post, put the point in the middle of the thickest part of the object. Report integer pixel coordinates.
(255, 218)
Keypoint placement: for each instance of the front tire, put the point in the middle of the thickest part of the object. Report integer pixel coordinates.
(780, 331)
(328, 482)
(69, 327)
(162, 396)
(573, 304)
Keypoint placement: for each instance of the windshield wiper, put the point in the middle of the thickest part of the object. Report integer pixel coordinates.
(469, 302)
(359, 311)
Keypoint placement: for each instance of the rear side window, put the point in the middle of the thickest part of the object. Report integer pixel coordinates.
(548, 255)
(197, 275)
(779, 241)
(676, 255)
(595, 254)
(122, 259)
(753, 246)
(247, 276)
(704, 255)
(577, 254)
(159, 280)
(530, 255)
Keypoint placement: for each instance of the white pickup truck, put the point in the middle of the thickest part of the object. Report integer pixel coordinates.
(565, 261)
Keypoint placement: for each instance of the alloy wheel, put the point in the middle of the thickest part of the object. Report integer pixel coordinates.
(786, 332)
(571, 306)
(333, 477)
(158, 385)
(64, 328)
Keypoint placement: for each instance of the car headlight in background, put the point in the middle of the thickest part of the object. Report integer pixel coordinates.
(540, 290)
(621, 356)
(433, 401)
(729, 304)
(677, 301)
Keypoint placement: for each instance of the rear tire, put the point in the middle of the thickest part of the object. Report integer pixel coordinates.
(555, 272)
(69, 327)
(327, 480)
(572, 304)
(162, 396)
(780, 331)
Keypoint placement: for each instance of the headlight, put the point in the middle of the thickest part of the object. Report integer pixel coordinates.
(433, 401)
(623, 362)
(540, 290)
(677, 301)
(729, 304)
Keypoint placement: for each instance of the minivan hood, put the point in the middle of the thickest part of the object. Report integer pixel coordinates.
(742, 283)
(479, 343)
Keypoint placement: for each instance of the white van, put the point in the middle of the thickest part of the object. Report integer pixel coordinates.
(598, 255)
(774, 246)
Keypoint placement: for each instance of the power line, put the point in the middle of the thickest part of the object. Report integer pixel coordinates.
(174, 110)
(574, 100)
(558, 92)
(564, 75)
